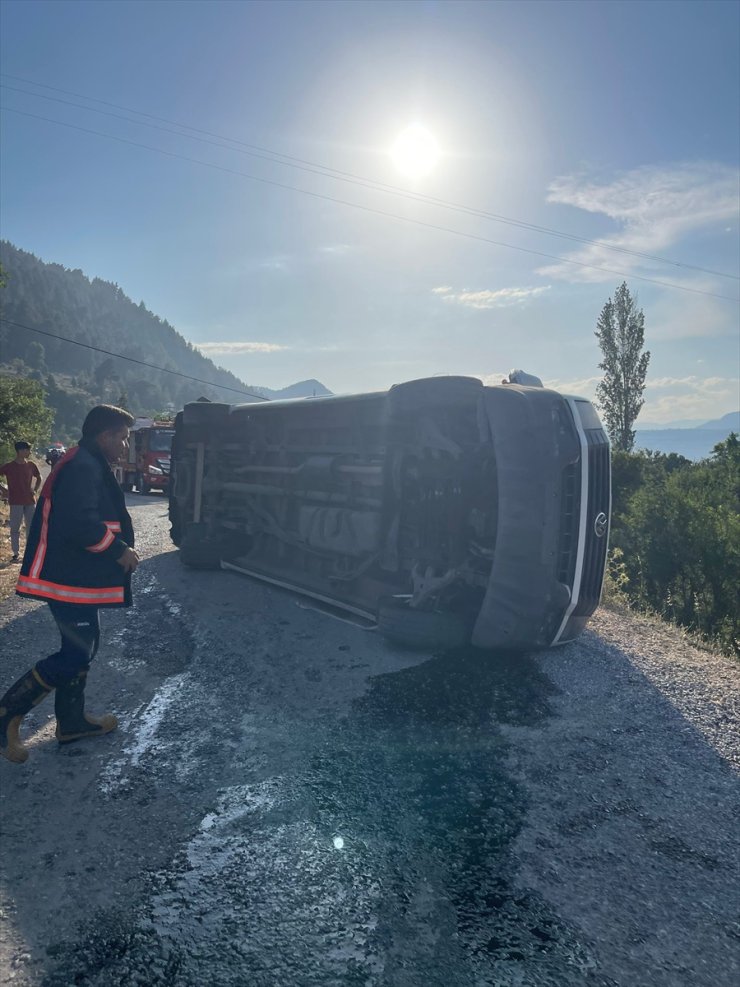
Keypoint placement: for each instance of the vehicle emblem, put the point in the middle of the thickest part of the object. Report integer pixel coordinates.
(601, 523)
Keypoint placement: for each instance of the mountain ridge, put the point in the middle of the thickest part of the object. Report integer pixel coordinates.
(695, 442)
(731, 420)
(53, 301)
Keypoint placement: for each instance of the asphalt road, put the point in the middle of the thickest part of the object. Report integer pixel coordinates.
(290, 801)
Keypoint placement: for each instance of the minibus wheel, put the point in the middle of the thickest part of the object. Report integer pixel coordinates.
(197, 550)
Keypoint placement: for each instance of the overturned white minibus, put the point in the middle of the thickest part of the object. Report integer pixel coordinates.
(447, 511)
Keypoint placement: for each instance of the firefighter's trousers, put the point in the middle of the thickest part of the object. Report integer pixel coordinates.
(79, 627)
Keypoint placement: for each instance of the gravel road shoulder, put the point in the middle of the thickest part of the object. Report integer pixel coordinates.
(633, 828)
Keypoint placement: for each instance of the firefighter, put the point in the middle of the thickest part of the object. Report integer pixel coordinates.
(79, 557)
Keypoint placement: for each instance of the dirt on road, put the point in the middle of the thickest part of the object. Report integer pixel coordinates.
(290, 801)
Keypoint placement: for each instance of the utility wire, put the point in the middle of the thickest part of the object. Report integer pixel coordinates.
(276, 157)
(369, 209)
(142, 363)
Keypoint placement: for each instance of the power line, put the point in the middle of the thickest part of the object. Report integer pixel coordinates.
(277, 157)
(142, 363)
(369, 209)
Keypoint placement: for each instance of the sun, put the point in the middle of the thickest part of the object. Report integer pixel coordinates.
(415, 152)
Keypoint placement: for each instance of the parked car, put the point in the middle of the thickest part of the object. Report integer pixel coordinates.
(447, 511)
(54, 453)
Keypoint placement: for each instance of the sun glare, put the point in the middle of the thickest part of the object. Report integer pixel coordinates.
(415, 152)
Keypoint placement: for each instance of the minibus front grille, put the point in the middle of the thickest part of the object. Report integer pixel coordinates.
(594, 557)
(570, 510)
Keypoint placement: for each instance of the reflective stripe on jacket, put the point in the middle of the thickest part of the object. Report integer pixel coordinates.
(79, 529)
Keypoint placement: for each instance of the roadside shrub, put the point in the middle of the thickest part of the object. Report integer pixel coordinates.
(676, 538)
(616, 580)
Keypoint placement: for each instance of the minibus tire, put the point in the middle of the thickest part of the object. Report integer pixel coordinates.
(431, 391)
(421, 629)
(198, 551)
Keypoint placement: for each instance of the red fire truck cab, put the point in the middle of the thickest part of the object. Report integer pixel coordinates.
(148, 465)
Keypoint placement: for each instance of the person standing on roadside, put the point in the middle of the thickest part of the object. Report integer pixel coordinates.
(23, 480)
(79, 557)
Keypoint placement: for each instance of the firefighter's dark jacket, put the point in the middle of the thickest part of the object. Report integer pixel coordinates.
(79, 529)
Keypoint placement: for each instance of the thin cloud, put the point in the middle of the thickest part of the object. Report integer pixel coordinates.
(215, 349)
(500, 298)
(582, 387)
(280, 262)
(701, 385)
(337, 249)
(690, 397)
(669, 399)
(662, 383)
(654, 208)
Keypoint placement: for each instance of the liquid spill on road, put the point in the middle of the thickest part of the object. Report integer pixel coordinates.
(145, 723)
(381, 855)
(152, 635)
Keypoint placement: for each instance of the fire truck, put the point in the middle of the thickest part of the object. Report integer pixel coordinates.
(148, 465)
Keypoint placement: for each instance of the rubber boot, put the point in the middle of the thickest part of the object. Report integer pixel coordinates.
(73, 723)
(27, 692)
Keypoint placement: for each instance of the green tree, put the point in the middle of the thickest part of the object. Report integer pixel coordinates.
(620, 331)
(36, 356)
(105, 371)
(23, 414)
(676, 538)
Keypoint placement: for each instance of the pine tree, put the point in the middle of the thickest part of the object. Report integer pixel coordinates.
(620, 331)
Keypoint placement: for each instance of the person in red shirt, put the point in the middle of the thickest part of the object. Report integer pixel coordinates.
(24, 481)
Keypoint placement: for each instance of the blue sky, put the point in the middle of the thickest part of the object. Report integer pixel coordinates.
(611, 122)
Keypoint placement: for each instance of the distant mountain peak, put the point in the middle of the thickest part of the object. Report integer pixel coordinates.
(730, 421)
(303, 389)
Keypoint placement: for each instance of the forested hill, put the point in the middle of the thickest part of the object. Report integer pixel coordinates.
(66, 303)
